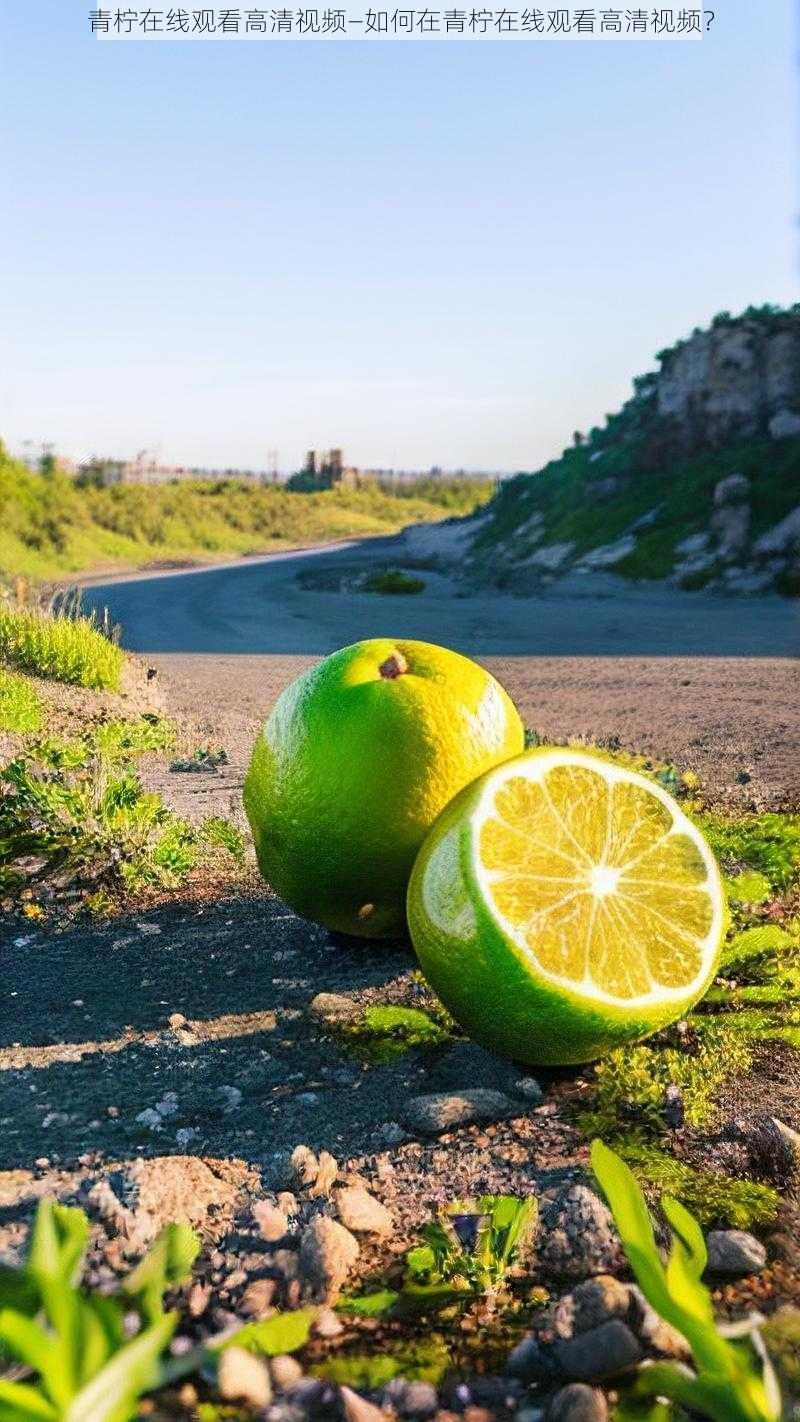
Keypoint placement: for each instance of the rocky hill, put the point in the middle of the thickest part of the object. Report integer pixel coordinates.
(695, 480)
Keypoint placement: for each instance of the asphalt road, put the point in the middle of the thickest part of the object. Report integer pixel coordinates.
(708, 681)
(262, 606)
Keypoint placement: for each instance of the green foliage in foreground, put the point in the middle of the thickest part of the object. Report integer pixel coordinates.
(90, 1358)
(718, 1201)
(74, 814)
(631, 1082)
(20, 707)
(465, 1252)
(733, 1380)
(70, 649)
(49, 526)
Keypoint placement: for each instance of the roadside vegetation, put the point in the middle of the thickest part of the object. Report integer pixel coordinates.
(52, 643)
(51, 526)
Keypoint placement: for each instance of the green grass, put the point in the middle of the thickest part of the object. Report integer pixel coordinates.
(49, 526)
(20, 707)
(679, 496)
(70, 649)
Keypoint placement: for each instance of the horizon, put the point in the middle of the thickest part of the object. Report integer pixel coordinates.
(512, 237)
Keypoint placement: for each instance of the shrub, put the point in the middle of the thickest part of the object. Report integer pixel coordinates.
(392, 581)
(20, 707)
(70, 649)
(74, 815)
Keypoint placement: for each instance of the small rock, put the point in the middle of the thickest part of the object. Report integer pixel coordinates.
(176, 1019)
(441, 1110)
(733, 1252)
(361, 1212)
(420, 1399)
(529, 1361)
(328, 1252)
(578, 1403)
(327, 1324)
(774, 1149)
(258, 1298)
(304, 1165)
(327, 1171)
(167, 1107)
(358, 1409)
(577, 1235)
(529, 1087)
(598, 1300)
(199, 1299)
(333, 1007)
(674, 1113)
(231, 1097)
(242, 1377)
(185, 1135)
(286, 1371)
(272, 1222)
(288, 1203)
(653, 1331)
(391, 1133)
(150, 1118)
(600, 1353)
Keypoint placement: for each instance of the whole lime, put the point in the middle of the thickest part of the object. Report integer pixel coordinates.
(354, 764)
(563, 905)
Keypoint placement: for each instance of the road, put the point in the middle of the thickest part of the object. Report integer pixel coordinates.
(711, 681)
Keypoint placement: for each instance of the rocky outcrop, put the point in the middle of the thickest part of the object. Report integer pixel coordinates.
(738, 380)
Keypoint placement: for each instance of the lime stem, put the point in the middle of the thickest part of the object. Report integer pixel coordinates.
(394, 666)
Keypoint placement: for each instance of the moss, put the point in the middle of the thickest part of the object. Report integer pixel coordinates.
(384, 1032)
(631, 1082)
(747, 947)
(769, 844)
(781, 1333)
(423, 1361)
(717, 1200)
(749, 887)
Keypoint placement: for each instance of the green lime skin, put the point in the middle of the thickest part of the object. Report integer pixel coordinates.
(356, 760)
(483, 979)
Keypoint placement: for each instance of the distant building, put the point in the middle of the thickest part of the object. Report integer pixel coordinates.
(145, 470)
(326, 470)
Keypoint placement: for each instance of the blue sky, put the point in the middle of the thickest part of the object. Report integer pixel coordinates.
(427, 253)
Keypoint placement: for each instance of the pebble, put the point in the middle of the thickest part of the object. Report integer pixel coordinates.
(734, 1252)
(304, 1165)
(272, 1222)
(327, 1171)
(327, 1324)
(440, 1110)
(185, 1136)
(358, 1210)
(775, 1149)
(419, 1399)
(242, 1377)
(231, 1097)
(333, 1007)
(328, 1252)
(577, 1235)
(577, 1403)
(150, 1118)
(285, 1370)
(288, 1203)
(600, 1353)
(392, 1133)
(168, 1106)
(357, 1408)
(529, 1087)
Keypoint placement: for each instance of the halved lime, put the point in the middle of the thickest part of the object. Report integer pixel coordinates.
(562, 905)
